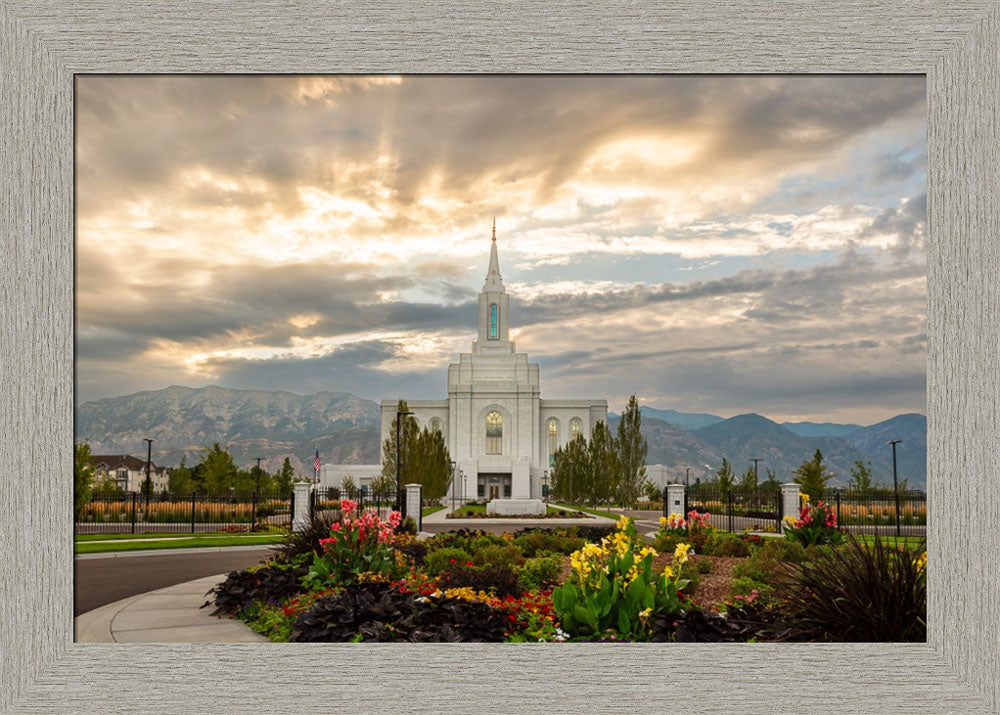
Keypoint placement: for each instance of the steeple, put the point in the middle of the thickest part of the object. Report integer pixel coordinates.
(494, 308)
(493, 281)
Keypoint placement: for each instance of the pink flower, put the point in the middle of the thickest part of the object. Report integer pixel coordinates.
(394, 518)
(335, 527)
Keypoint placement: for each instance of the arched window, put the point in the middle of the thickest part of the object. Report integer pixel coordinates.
(553, 440)
(494, 321)
(494, 433)
(435, 425)
(574, 427)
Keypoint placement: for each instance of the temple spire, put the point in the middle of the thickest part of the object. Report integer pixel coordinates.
(494, 269)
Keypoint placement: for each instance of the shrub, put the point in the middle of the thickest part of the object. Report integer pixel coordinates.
(702, 566)
(305, 542)
(407, 526)
(408, 545)
(858, 593)
(441, 560)
(765, 563)
(540, 572)
(272, 582)
(815, 525)
(498, 556)
(358, 543)
(532, 542)
(746, 586)
(499, 581)
(722, 543)
(374, 611)
(750, 620)
(612, 586)
(479, 543)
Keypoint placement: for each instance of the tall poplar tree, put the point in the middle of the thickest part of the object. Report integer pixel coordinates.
(601, 465)
(632, 449)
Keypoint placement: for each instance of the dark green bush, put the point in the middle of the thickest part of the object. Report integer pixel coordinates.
(499, 581)
(378, 612)
(722, 543)
(858, 593)
(532, 542)
(273, 582)
(306, 542)
(497, 555)
(745, 586)
(765, 562)
(540, 572)
(441, 560)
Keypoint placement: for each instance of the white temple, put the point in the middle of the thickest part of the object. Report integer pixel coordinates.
(501, 434)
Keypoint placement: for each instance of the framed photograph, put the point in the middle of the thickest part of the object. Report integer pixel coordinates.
(48, 49)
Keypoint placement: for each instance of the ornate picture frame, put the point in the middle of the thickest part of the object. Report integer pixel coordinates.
(45, 43)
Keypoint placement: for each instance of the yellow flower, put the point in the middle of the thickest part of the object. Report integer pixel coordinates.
(645, 613)
(681, 552)
(804, 497)
(789, 519)
(663, 522)
(667, 571)
(921, 562)
(623, 523)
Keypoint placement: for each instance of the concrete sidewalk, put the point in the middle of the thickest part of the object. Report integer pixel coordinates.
(167, 615)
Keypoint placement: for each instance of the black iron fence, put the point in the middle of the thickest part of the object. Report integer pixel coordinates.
(137, 513)
(737, 508)
(878, 511)
(326, 500)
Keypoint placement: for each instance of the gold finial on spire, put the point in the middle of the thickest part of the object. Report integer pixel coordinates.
(494, 228)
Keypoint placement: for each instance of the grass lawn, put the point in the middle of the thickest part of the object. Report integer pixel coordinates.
(892, 540)
(186, 543)
(595, 512)
(83, 538)
(431, 509)
(480, 509)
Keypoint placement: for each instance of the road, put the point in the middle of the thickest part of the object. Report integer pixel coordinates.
(101, 581)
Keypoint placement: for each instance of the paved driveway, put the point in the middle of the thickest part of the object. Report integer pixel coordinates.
(99, 581)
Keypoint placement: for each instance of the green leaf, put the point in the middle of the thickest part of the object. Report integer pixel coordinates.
(585, 616)
(624, 626)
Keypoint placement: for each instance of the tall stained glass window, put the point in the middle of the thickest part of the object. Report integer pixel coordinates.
(574, 427)
(494, 321)
(553, 440)
(494, 433)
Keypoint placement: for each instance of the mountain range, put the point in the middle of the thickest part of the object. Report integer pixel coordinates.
(185, 421)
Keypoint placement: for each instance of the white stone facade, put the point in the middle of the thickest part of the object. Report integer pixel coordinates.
(510, 458)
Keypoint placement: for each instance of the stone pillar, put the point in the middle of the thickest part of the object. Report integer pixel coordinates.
(520, 479)
(300, 519)
(675, 500)
(414, 507)
(789, 502)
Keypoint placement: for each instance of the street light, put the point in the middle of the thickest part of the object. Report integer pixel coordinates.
(399, 484)
(895, 483)
(545, 482)
(454, 486)
(256, 482)
(148, 485)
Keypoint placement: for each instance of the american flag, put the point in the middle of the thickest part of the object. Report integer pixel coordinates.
(316, 461)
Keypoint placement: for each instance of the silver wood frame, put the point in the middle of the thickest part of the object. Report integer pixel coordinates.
(43, 43)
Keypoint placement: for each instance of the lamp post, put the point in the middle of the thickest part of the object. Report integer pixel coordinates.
(454, 485)
(545, 482)
(148, 484)
(256, 481)
(895, 483)
(399, 483)
(687, 477)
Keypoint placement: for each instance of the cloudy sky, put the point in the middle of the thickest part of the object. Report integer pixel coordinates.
(712, 244)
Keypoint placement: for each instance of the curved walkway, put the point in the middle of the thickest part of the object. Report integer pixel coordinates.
(167, 615)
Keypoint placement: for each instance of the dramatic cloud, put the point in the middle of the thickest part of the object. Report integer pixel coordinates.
(712, 243)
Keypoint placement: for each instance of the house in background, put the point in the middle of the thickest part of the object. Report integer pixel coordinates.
(128, 472)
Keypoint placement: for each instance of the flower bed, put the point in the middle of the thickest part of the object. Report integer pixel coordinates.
(366, 580)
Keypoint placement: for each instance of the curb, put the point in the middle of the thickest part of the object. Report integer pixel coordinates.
(192, 550)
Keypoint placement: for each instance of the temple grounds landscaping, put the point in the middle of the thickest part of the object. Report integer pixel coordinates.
(364, 578)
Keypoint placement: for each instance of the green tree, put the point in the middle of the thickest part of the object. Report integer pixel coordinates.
(811, 476)
(219, 470)
(725, 477)
(861, 476)
(180, 480)
(601, 455)
(632, 449)
(749, 480)
(83, 477)
(108, 487)
(429, 464)
(349, 486)
(569, 470)
(243, 482)
(384, 485)
(283, 479)
(771, 483)
(408, 433)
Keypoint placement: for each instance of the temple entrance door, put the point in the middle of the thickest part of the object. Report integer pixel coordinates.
(494, 491)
